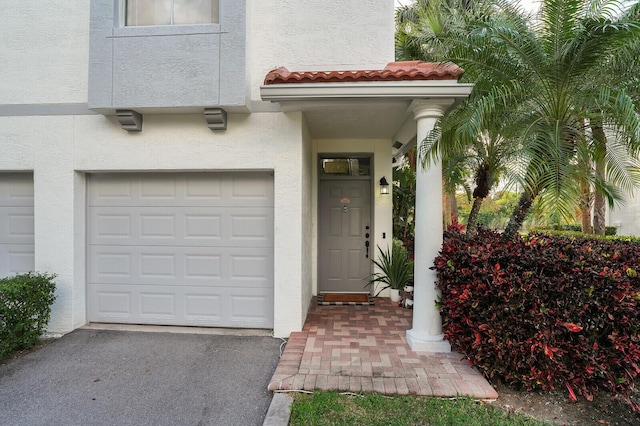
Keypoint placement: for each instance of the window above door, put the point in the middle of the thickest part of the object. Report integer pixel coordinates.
(171, 12)
(336, 166)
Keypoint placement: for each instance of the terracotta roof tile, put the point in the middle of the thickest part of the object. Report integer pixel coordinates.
(394, 71)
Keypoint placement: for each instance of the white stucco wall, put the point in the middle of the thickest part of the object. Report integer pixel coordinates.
(626, 217)
(84, 144)
(318, 36)
(44, 51)
(46, 43)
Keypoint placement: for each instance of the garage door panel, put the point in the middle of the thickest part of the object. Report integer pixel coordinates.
(191, 189)
(156, 266)
(16, 189)
(203, 226)
(211, 266)
(181, 249)
(189, 226)
(251, 228)
(157, 225)
(109, 227)
(251, 269)
(111, 265)
(160, 188)
(155, 305)
(250, 190)
(220, 306)
(16, 259)
(255, 308)
(16, 223)
(203, 266)
(203, 309)
(111, 190)
(110, 305)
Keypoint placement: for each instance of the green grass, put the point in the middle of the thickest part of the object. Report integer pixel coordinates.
(331, 408)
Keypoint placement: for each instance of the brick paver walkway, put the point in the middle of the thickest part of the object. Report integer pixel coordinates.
(364, 349)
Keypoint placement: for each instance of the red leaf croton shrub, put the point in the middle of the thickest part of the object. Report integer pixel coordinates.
(545, 312)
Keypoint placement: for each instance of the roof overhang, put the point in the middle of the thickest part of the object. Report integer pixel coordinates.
(365, 109)
(409, 90)
(366, 104)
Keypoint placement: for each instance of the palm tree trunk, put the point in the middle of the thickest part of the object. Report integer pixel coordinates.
(599, 206)
(446, 209)
(517, 218)
(585, 206)
(472, 223)
(454, 205)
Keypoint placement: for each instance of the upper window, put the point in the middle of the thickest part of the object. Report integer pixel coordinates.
(171, 12)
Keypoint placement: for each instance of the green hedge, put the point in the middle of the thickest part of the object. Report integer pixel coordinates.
(609, 231)
(580, 235)
(25, 307)
(545, 312)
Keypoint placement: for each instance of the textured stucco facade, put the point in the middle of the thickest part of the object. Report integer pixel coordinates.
(626, 217)
(47, 125)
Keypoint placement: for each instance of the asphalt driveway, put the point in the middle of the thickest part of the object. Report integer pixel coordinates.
(98, 377)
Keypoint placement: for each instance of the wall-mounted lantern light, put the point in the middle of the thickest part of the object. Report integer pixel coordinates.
(384, 185)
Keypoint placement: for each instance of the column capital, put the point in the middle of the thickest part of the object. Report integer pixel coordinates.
(430, 108)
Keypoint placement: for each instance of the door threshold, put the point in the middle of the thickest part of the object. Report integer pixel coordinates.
(346, 298)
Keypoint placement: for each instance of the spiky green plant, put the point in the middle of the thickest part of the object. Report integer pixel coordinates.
(394, 268)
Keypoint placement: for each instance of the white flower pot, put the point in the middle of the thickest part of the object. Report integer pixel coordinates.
(395, 295)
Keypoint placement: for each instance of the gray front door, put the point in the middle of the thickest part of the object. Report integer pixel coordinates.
(344, 229)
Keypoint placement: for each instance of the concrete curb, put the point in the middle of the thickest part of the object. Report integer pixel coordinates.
(279, 410)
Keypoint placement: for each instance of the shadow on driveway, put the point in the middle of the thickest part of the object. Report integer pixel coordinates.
(91, 377)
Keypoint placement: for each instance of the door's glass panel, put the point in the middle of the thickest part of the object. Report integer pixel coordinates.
(346, 166)
(148, 12)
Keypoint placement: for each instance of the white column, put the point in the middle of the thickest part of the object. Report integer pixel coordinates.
(426, 334)
(289, 304)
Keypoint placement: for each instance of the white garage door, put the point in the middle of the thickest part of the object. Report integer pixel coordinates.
(181, 249)
(16, 223)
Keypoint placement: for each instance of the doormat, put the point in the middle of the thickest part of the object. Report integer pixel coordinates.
(330, 299)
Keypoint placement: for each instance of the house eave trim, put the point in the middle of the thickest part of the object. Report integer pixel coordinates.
(414, 89)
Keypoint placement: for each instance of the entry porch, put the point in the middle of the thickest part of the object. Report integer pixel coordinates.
(364, 349)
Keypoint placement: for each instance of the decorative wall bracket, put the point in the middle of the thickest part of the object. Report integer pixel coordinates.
(130, 120)
(216, 118)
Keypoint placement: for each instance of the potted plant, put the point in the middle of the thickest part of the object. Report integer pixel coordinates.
(394, 270)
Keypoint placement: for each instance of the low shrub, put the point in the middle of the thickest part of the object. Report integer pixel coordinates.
(576, 230)
(25, 307)
(610, 230)
(574, 234)
(545, 311)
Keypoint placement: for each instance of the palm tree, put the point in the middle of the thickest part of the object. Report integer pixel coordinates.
(423, 31)
(487, 151)
(619, 71)
(540, 73)
(455, 174)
